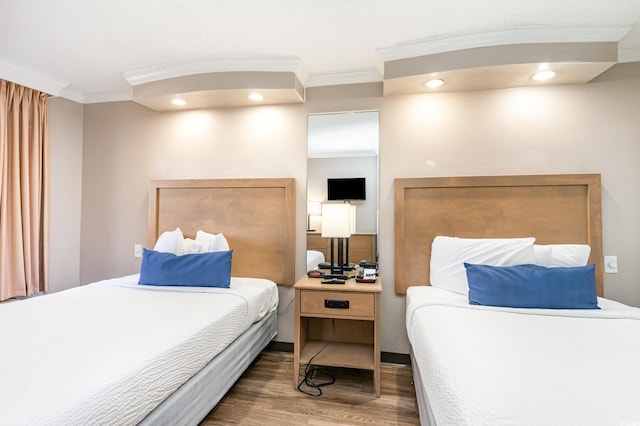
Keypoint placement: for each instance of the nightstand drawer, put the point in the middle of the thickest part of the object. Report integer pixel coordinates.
(360, 304)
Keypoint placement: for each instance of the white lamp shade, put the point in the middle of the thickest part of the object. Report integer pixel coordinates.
(336, 220)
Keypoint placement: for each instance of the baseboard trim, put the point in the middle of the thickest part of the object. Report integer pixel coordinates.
(395, 358)
(390, 357)
(279, 347)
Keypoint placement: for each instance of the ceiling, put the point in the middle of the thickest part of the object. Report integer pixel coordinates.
(100, 51)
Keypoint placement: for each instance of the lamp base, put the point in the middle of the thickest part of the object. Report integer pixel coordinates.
(338, 276)
(345, 267)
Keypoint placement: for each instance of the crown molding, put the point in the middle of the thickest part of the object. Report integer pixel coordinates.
(520, 35)
(220, 64)
(95, 98)
(32, 79)
(72, 95)
(336, 79)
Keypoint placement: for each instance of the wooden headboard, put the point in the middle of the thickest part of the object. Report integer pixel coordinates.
(256, 216)
(556, 209)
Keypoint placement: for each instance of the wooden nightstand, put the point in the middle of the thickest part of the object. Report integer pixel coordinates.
(356, 316)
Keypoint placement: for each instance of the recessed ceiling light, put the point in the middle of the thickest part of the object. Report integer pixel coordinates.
(544, 75)
(256, 97)
(178, 101)
(434, 83)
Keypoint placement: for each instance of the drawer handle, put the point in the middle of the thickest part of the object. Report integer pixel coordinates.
(336, 304)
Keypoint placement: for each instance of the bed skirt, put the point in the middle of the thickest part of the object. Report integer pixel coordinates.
(196, 398)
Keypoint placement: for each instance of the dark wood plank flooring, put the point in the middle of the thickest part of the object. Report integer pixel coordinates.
(264, 395)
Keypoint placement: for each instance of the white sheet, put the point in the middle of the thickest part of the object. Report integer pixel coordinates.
(314, 257)
(110, 352)
(501, 366)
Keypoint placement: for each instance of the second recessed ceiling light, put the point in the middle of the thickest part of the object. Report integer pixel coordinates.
(544, 75)
(434, 83)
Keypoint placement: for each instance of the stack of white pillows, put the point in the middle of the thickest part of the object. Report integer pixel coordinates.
(449, 254)
(174, 242)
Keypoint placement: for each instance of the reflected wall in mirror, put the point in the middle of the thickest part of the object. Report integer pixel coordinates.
(342, 149)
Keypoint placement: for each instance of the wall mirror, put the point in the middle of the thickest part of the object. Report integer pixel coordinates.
(342, 153)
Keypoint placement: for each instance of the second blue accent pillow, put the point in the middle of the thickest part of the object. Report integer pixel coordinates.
(532, 286)
(192, 270)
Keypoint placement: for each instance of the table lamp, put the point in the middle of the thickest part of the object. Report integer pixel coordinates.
(349, 265)
(336, 223)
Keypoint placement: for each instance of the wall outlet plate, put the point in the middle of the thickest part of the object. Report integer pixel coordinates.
(137, 250)
(611, 264)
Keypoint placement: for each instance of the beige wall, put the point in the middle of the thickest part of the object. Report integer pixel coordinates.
(590, 128)
(65, 177)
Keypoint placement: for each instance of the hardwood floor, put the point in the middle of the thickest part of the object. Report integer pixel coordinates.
(264, 395)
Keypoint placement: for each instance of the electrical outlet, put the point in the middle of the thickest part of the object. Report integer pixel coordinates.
(137, 250)
(611, 264)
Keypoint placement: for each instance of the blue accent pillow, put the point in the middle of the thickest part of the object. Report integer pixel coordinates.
(193, 270)
(532, 286)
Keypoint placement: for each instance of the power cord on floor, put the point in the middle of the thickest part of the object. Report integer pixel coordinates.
(310, 372)
(285, 310)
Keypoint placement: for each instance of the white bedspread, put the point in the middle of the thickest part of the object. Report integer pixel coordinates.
(501, 366)
(110, 352)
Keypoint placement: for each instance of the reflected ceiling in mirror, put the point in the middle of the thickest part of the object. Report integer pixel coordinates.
(345, 134)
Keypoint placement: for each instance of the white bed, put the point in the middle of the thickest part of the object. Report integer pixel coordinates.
(479, 365)
(114, 350)
(490, 365)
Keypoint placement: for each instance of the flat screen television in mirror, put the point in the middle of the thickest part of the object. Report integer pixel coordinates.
(346, 189)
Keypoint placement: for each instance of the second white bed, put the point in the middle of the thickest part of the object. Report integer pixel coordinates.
(481, 365)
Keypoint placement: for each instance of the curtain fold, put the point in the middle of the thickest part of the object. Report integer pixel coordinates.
(24, 191)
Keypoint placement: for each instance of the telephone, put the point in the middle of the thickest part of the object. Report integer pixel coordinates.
(368, 265)
(366, 274)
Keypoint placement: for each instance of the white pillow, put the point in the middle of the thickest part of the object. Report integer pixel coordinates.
(570, 255)
(543, 255)
(448, 255)
(190, 246)
(169, 241)
(216, 242)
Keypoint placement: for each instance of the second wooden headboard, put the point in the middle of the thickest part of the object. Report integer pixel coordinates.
(256, 216)
(556, 209)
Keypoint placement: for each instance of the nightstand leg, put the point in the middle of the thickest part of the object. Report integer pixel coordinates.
(296, 341)
(376, 347)
(296, 372)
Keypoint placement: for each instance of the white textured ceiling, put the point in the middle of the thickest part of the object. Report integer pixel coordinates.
(93, 50)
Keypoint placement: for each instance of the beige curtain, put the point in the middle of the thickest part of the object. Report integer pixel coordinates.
(24, 192)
